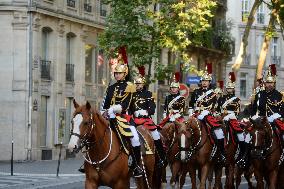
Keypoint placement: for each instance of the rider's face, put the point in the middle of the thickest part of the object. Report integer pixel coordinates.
(139, 86)
(230, 91)
(269, 86)
(174, 90)
(118, 75)
(205, 84)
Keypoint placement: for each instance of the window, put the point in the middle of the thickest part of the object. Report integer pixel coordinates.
(275, 58)
(100, 67)
(69, 57)
(89, 51)
(87, 6)
(243, 85)
(71, 3)
(103, 9)
(68, 105)
(260, 14)
(43, 121)
(245, 10)
(45, 63)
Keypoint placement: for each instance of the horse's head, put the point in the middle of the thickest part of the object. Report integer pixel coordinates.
(82, 125)
(259, 133)
(168, 133)
(185, 140)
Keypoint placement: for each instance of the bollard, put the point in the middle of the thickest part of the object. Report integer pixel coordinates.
(58, 164)
(12, 159)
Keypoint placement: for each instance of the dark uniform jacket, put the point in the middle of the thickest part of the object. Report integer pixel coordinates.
(174, 103)
(268, 103)
(228, 102)
(119, 93)
(200, 101)
(142, 100)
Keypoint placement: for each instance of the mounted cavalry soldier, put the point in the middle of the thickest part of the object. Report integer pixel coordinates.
(115, 107)
(229, 107)
(142, 107)
(174, 103)
(270, 102)
(202, 104)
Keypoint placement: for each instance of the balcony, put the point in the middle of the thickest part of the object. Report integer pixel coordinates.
(87, 7)
(276, 60)
(45, 69)
(71, 3)
(70, 72)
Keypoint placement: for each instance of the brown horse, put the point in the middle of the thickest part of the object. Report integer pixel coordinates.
(199, 153)
(265, 153)
(106, 163)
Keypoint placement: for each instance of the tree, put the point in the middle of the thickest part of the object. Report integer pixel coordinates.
(144, 29)
(242, 51)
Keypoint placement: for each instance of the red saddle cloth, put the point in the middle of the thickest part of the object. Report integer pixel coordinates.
(212, 121)
(235, 125)
(148, 123)
(280, 124)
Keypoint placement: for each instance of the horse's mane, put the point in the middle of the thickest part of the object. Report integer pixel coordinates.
(98, 116)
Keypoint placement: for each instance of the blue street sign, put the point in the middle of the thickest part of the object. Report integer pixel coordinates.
(192, 79)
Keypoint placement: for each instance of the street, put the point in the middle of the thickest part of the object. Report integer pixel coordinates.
(42, 174)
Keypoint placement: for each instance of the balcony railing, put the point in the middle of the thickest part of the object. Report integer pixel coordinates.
(70, 72)
(276, 60)
(45, 69)
(87, 7)
(71, 3)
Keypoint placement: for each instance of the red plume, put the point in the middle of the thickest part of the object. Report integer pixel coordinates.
(221, 84)
(141, 70)
(273, 69)
(232, 76)
(177, 76)
(122, 51)
(209, 68)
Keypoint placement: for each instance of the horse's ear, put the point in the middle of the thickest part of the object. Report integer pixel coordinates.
(76, 105)
(88, 105)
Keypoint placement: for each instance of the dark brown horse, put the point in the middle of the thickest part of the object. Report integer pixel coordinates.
(265, 153)
(199, 153)
(106, 163)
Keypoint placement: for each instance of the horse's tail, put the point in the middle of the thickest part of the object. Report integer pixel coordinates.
(157, 175)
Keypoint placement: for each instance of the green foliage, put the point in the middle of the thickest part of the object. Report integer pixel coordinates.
(145, 30)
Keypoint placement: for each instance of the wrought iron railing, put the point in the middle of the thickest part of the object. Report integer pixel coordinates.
(71, 3)
(45, 69)
(70, 72)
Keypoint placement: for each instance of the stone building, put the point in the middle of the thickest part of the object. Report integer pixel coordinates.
(49, 55)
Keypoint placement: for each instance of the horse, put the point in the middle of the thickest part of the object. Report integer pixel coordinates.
(265, 153)
(106, 163)
(199, 154)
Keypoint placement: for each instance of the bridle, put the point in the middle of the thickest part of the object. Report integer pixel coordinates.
(85, 141)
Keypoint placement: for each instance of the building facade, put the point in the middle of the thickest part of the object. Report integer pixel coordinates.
(49, 55)
(238, 12)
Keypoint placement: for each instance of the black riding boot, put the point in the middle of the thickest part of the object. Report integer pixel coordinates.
(242, 150)
(243, 161)
(137, 171)
(81, 169)
(161, 153)
(221, 148)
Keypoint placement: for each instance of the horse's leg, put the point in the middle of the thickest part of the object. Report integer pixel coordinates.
(122, 184)
(192, 173)
(175, 167)
(90, 184)
(210, 177)
(258, 174)
(218, 174)
(273, 179)
(238, 177)
(183, 175)
(204, 174)
(164, 178)
(230, 176)
(248, 175)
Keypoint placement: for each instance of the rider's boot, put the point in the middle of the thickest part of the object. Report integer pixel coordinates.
(161, 153)
(221, 148)
(243, 161)
(137, 171)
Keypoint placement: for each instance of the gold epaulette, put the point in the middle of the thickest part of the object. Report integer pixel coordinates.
(130, 88)
(282, 92)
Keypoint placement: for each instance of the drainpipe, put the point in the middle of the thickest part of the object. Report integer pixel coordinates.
(30, 55)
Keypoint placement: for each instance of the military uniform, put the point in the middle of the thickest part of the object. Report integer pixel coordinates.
(203, 99)
(174, 107)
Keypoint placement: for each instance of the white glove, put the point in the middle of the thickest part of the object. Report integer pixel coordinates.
(254, 117)
(173, 117)
(203, 114)
(190, 112)
(140, 112)
(273, 117)
(117, 108)
(164, 115)
(230, 116)
(110, 112)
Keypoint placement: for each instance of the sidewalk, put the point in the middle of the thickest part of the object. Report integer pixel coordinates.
(46, 167)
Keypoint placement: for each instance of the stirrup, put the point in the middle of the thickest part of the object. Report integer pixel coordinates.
(138, 172)
(81, 169)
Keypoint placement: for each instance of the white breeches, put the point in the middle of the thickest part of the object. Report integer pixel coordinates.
(219, 133)
(155, 134)
(135, 139)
